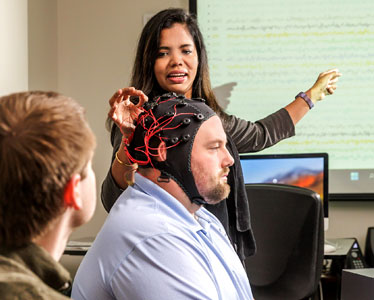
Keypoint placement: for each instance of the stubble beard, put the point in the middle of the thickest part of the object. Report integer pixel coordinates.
(211, 189)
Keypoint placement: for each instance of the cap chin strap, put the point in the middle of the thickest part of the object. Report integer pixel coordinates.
(188, 186)
(198, 201)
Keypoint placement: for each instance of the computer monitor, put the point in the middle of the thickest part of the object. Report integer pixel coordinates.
(307, 170)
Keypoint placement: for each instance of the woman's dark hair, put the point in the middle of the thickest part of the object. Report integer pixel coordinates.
(143, 77)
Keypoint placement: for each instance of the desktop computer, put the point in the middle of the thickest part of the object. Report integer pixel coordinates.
(307, 170)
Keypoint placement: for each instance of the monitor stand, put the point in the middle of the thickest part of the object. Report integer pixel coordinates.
(329, 247)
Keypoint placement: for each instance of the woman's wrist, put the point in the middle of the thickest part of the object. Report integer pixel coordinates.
(120, 167)
(120, 161)
(120, 156)
(313, 94)
(306, 98)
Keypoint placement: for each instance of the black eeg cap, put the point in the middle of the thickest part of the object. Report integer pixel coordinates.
(175, 120)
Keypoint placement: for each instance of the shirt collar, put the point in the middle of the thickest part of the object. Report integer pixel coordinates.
(150, 188)
(41, 263)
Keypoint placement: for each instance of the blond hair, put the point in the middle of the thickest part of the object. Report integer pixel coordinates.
(44, 140)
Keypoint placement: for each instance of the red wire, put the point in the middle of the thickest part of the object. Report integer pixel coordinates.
(157, 126)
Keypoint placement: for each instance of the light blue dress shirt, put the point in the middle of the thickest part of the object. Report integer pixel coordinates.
(151, 247)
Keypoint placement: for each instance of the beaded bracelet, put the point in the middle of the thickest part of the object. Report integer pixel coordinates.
(306, 99)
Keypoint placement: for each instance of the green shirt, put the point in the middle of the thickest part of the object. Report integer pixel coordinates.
(31, 273)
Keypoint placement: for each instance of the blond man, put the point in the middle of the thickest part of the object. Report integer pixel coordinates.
(47, 190)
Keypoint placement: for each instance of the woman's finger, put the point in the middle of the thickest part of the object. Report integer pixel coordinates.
(129, 91)
(112, 111)
(117, 96)
(142, 99)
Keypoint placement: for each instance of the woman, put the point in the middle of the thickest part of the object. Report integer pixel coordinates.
(171, 57)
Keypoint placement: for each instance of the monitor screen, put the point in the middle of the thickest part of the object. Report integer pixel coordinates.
(307, 170)
(262, 53)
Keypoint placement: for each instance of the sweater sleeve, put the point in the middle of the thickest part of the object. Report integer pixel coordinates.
(110, 191)
(255, 136)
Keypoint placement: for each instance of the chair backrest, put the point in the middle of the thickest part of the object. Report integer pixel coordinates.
(287, 222)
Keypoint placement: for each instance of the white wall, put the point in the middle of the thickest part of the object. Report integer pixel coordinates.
(350, 219)
(13, 46)
(42, 33)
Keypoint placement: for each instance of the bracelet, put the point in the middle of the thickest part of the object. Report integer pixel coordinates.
(306, 99)
(120, 161)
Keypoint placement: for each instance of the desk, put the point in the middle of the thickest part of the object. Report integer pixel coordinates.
(330, 277)
(79, 246)
(342, 247)
(358, 284)
(332, 274)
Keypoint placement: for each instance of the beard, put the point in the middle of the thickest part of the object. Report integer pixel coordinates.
(218, 193)
(210, 187)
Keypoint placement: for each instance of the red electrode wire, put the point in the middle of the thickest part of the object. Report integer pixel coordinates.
(157, 126)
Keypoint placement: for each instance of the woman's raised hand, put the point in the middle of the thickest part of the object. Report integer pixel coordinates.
(325, 85)
(123, 112)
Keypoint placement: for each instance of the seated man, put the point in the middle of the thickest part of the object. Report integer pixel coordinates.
(47, 188)
(158, 242)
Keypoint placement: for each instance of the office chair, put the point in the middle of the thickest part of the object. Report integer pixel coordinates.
(287, 222)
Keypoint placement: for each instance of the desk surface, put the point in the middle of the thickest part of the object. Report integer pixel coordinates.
(367, 272)
(342, 247)
(81, 246)
(78, 247)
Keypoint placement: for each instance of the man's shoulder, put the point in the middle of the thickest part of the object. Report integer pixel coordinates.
(151, 213)
(17, 280)
(26, 289)
(134, 209)
(134, 221)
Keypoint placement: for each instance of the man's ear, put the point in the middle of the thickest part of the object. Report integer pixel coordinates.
(72, 195)
(161, 151)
